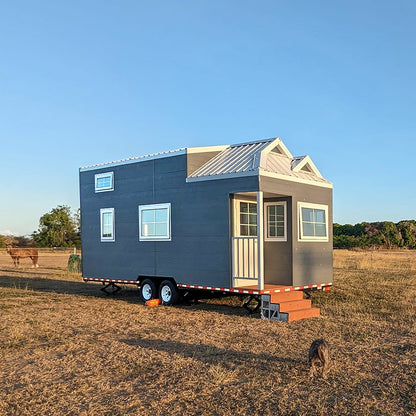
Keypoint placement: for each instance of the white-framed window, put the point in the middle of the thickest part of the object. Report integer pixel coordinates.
(247, 215)
(107, 224)
(154, 222)
(104, 182)
(275, 224)
(313, 222)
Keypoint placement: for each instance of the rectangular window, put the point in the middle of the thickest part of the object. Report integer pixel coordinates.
(248, 219)
(104, 182)
(154, 222)
(275, 224)
(107, 224)
(313, 219)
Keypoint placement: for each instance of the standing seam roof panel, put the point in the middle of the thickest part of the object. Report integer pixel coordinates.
(239, 158)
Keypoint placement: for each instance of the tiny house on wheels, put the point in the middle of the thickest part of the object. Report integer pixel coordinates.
(247, 218)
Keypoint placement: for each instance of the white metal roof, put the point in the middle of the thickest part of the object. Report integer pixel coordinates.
(235, 159)
(134, 159)
(269, 157)
(266, 156)
(152, 156)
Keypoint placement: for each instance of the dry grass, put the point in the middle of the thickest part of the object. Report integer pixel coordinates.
(68, 349)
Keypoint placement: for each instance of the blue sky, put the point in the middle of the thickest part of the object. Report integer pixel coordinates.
(84, 82)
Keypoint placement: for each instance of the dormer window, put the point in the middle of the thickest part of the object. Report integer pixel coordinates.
(306, 169)
(104, 182)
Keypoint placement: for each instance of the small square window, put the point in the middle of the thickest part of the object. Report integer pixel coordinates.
(154, 222)
(104, 182)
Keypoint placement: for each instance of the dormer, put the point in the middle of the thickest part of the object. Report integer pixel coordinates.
(305, 164)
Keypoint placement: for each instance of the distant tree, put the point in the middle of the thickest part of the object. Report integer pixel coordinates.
(2, 242)
(407, 231)
(384, 234)
(58, 228)
(390, 234)
(24, 241)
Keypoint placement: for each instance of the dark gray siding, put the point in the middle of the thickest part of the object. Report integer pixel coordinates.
(309, 262)
(199, 252)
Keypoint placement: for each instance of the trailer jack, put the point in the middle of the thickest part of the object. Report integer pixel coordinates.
(252, 303)
(114, 288)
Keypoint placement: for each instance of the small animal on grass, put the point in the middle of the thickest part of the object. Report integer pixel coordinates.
(318, 357)
(18, 253)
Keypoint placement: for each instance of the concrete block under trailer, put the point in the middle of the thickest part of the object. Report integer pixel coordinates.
(169, 292)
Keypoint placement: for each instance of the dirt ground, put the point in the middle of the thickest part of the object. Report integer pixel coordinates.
(66, 348)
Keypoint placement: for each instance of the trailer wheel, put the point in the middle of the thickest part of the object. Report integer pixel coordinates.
(168, 293)
(148, 290)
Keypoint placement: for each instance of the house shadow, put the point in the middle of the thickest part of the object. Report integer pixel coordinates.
(64, 287)
(208, 354)
(129, 293)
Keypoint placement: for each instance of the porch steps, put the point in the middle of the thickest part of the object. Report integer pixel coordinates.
(287, 306)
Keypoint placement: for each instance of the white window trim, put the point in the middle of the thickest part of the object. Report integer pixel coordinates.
(266, 221)
(113, 237)
(152, 207)
(104, 175)
(237, 216)
(301, 237)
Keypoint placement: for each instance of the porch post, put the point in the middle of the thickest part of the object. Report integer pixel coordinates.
(260, 239)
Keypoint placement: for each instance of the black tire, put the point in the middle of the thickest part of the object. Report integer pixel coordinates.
(148, 290)
(168, 293)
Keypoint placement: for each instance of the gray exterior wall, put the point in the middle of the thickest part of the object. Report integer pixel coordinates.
(302, 263)
(199, 252)
(278, 254)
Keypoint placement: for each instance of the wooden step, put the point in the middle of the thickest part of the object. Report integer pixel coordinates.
(303, 314)
(286, 296)
(293, 305)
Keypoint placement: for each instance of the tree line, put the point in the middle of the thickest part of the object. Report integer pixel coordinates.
(383, 234)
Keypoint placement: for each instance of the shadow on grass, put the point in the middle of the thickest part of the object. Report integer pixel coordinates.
(209, 354)
(68, 287)
(129, 293)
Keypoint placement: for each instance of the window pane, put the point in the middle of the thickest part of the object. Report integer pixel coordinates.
(148, 230)
(161, 215)
(320, 230)
(104, 182)
(107, 224)
(243, 230)
(253, 230)
(319, 215)
(161, 230)
(307, 214)
(280, 210)
(253, 219)
(253, 208)
(148, 215)
(308, 229)
(272, 231)
(243, 218)
(272, 209)
(243, 207)
(280, 231)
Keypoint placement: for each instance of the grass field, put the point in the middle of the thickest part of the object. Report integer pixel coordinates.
(68, 349)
